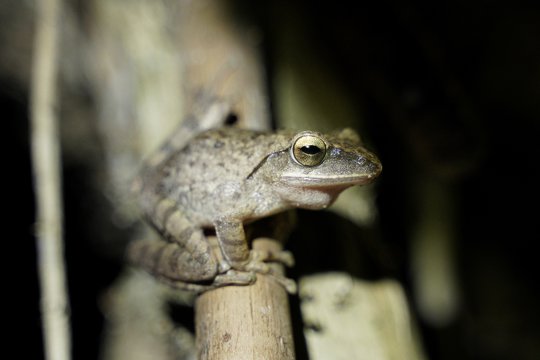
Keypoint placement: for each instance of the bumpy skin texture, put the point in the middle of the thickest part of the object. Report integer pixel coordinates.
(223, 178)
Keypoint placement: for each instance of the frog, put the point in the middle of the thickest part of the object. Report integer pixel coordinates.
(222, 178)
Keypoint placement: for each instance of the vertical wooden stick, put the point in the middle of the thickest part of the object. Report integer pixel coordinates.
(246, 322)
(46, 166)
(234, 322)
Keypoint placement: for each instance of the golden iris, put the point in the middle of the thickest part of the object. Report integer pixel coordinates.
(309, 150)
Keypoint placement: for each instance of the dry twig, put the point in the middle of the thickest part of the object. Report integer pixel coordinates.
(46, 167)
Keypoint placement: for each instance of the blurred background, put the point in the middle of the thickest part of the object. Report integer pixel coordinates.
(446, 93)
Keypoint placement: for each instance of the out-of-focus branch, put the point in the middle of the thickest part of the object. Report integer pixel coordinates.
(46, 167)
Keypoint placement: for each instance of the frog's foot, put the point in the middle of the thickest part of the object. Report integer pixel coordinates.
(231, 277)
(182, 285)
(258, 263)
(264, 256)
(234, 277)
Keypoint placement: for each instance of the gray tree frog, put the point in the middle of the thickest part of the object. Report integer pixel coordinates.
(226, 177)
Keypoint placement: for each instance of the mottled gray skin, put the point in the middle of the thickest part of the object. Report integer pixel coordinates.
(224, 178)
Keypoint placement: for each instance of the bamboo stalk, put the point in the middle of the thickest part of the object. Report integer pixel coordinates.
(47, 183)
(246, 322)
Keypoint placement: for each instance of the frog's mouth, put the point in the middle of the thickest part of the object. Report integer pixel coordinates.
(319, 181)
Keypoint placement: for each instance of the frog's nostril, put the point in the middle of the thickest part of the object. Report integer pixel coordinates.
(231, 119)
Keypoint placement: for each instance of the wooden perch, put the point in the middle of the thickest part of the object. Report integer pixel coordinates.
(246, 322)
(235, 322)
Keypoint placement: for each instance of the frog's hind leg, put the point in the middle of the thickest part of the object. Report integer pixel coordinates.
(171, 261)
(172, 265)
(184, 258)
(182, 255)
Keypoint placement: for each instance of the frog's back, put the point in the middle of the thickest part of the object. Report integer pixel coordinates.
(218, 155)
(216, 159)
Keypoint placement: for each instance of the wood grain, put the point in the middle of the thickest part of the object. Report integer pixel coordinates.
(246, 322)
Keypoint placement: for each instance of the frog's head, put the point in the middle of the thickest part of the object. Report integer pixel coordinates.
(316, 168)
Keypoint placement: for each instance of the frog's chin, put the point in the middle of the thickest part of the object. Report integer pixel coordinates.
(313, 198)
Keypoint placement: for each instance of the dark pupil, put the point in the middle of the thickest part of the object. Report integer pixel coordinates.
(310, 149)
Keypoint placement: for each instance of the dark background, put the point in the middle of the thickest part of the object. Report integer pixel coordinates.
(450, 90)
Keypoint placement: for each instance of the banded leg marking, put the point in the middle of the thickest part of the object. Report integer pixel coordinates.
(183, 255)
(232, 241)
(177, 228)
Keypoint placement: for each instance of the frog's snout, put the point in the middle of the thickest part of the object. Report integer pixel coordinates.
(371, 164)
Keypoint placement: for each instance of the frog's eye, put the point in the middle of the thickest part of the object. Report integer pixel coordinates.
(309, 150)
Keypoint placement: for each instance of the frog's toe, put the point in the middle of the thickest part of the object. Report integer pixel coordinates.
(283, 257)
(289, 284)
(223, 267)
(257, 266)
(242, 278)
(234, 277)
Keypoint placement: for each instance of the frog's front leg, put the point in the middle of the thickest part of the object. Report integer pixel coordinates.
(232, 241)
(236, 253)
